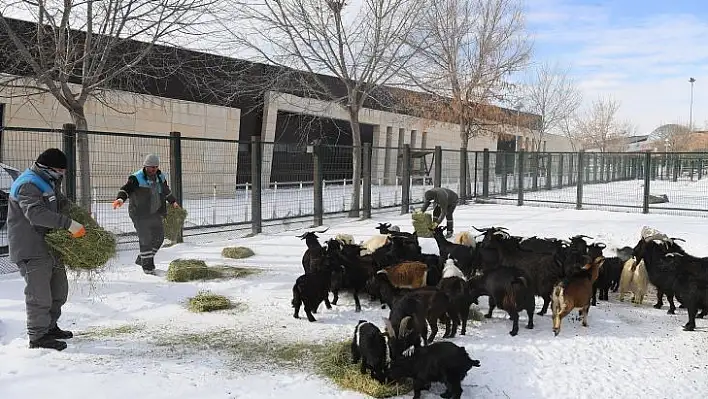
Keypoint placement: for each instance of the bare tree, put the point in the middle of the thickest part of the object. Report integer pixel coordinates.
(552, 95)
(78, 49)
(599, 128)
(362, 48)
(674, 137)
(470, 48)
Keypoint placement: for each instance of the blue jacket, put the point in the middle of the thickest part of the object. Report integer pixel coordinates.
(138, 191)
(34, 207)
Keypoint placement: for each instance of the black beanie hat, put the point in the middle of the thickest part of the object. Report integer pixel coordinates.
(53, 158)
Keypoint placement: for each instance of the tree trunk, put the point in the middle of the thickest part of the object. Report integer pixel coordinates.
(356, 162)
(84, 164)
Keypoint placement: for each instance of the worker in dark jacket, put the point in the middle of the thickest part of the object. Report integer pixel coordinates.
(445, 203)
(34, 209)
(148, 191)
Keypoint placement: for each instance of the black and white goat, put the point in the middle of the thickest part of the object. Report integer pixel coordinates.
(370, 347)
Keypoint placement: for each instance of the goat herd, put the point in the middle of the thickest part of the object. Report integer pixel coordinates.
(423, 289)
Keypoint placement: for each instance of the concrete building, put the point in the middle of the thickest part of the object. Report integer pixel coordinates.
(278, 112)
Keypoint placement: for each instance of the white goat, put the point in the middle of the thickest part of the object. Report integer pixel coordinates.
(346, 239)
(465, 238)
(450, 270)
(372, 244)
(634, 279)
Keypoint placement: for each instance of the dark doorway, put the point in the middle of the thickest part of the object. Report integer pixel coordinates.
(506, 148)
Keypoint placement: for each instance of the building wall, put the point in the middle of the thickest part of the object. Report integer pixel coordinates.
(114, 157)
(392, 130)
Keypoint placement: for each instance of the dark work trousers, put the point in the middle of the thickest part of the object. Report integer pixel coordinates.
(448, 216)
(46, 291)
(151, 235)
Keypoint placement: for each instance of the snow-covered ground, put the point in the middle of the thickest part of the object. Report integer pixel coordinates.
(627, 351)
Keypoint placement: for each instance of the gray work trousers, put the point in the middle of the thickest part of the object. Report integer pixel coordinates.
(46, 291)
(151, 234)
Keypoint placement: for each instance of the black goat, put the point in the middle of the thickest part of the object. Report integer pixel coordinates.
(542, 271)
(370, 347)
(507, 288)
(662, 270)
(310, 289)
(313, 244)
(460, 296)
(463, 255)
(602, 283)
(439, 362)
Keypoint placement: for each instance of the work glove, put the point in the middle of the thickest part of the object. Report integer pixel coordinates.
(117, 203)
(76, 229)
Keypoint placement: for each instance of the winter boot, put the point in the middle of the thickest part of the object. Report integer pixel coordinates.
(138, 260)
(449, 229)
(58, 333)
(148, 265)
(47, 342)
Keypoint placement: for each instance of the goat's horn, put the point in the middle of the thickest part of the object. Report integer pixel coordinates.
(403, 327)
(483, 230)
(323, 231)
(677, 239)
(302, 235)
(583, 236)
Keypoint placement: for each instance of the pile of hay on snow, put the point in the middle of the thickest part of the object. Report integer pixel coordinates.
(422, 223)
(336, 364)
(174, 223)
(237, 252)
(183, 270)
(88, 253)
(206, 301)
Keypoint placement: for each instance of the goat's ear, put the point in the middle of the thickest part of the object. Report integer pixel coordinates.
(601, 245)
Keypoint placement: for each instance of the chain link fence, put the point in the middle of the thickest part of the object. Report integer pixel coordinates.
(299, 185)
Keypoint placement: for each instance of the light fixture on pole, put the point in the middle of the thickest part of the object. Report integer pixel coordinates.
(690, 114)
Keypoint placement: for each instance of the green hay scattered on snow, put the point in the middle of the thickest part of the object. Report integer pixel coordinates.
(206, 301)
(237, 252)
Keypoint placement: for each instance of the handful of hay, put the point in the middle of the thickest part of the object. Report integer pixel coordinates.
(89, 252)
(422, 223)
(174, 223)
(336, 364)
(206, 301)
(237, 252)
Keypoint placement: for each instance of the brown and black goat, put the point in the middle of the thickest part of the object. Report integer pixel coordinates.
(575, 292)
(507, 288)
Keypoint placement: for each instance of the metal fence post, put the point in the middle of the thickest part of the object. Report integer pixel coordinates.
(579, 197)
(256, 189)
(406, 179)
(647, 181)
(176, 172)
(366, 171)
(504, 174)
(549, 171)
(69, 140)
(534, 170)
(485, 173)
(437, 178)
(560, 170)
(677, 166)
(463, 176)
(520, 188)
(317, 180)
(571, 180)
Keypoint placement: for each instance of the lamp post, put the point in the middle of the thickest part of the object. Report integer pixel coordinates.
(690, 114)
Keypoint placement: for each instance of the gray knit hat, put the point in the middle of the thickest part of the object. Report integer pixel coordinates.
(151, 160)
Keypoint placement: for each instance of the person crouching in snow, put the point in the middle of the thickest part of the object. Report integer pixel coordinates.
(34, 209)
(445, 203)
(148, 191)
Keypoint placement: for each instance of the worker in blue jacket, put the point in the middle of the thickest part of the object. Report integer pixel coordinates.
(148, 192)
